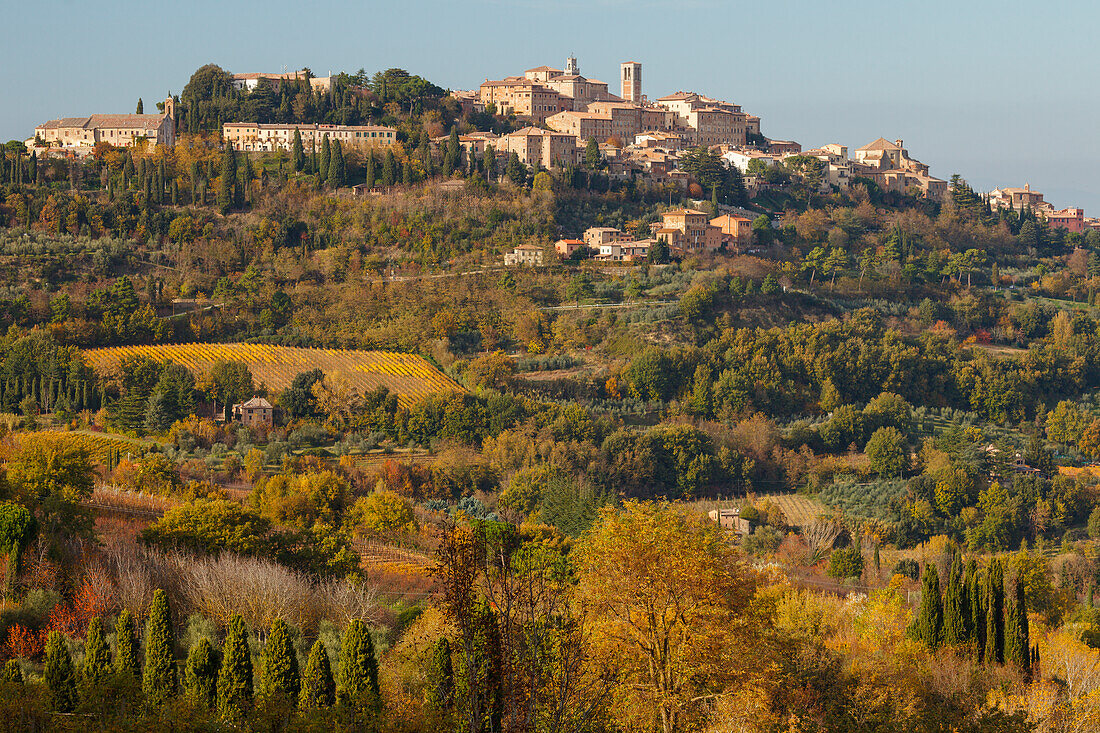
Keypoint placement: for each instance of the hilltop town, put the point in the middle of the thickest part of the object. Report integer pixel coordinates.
(354, 403)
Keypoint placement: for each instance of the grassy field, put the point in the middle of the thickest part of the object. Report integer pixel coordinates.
(409, 376)
(798, 509)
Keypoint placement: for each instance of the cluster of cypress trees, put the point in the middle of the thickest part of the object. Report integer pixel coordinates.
(973, 611)
(221, 683)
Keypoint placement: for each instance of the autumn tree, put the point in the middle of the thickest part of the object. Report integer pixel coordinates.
(672, 604)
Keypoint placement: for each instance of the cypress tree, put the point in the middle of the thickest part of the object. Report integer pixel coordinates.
(59, 676)
(244, 186)
(389, 170)
(1088, 597)
(235, 675)
(406, 173)
(228, 178)
(930, 615)
(297, 152)
(878, 560)
(97, 656)
(318, 687)
(200, 676)
(976, 608)
(994, 614)
(326, 156)
(357, 683)
(370, 174)
(158, 678)
(1017, 645)
(12, 672)
(126, 660)
(32, 167)
(140, 107)
(279, 679)
(440, 694)
(337, 171)
(954, 611)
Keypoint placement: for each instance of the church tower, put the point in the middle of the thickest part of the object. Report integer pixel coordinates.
(571, 66)
(631, 78)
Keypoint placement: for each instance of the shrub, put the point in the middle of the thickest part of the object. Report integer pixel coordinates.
(846, 562)
(908, 568)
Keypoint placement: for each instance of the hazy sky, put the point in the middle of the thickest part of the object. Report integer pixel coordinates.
(1000, 92)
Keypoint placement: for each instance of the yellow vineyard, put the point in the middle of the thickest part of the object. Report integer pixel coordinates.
(409, 376)
(102, 447)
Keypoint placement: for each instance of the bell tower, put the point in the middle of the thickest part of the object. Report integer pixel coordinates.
(631, 80)
(571, 66)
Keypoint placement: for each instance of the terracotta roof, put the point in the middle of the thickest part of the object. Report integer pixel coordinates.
(91, 122)
(544, 68)
(529, 247)
(683, 212)
(880, 144)
(257, 402)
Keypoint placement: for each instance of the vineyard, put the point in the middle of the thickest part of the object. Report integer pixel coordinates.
(408, 376)
(106, 448)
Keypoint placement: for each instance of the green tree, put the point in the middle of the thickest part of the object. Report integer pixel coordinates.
(389, 169)
(126, 656)
(59, 675)
(955, 616)
(235, 675)
(888, 452)
(96, 667)
(994, 614)
(326, 156)
(930, 614)
(441, 682)
(200, 676)
(337, 172)
(592, 154)
(297, 152)
(12, 673)
(847, 562)
(357, 683)
(158, 678)
(279, 681)
(318, 687)
(227, 179)
(1017, 649)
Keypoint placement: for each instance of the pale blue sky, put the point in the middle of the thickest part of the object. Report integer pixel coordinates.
(1001, 92)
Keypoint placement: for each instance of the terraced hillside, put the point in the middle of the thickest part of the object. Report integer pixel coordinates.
(409, 376)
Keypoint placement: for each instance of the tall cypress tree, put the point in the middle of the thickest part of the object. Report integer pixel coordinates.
(235, 676)
(228, 178)
(954, 606)
(370, 173)
(200, 676)
(440, 694)
(994, 614)
(1017, 641)
(244, 190)
(326, 156)
(337, 173)
(279, 681)
(357, 683)
(158, 678)
(297, 152)
(389, 170)
(126, 658)
(59, 676)
(930, 615)
(318, 687)
(976, 609)
(97, 656)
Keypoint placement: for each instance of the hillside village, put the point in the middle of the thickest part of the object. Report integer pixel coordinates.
(354, 403)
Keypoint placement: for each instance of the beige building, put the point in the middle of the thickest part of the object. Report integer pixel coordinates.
(730, 520)
(525, 254)
(1017, 198)
(80, 134)
(248, 82)
(625, 251)
(707, 121)
(257, 411)
(522, 97)
(596, 237)
(535, 146)
(473, 143)
(889, 165)
(689, 230)
(256, 136)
